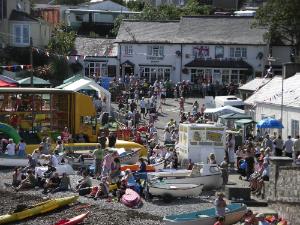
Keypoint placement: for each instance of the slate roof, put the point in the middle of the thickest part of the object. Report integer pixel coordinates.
(21, 16)
(95, 47)
(147, 32)
(255, 84)
(271, 92)
(200, 29)
(216, 63)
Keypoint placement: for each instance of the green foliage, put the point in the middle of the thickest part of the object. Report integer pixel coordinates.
(62, 41)
(137, 5)
(70, 2)
(59, 69)
(163, 12)
(282, 17)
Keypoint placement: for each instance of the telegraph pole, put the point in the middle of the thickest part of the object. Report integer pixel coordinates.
(31, 62)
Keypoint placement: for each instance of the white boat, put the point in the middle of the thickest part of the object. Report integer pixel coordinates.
(15, 161)
(209, 175)
(234, 213)
(175, 190)
(60, 169)
(125, 158)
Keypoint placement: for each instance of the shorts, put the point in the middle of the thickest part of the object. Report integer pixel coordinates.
(142, 110)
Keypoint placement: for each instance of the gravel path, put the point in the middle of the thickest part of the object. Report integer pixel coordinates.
(102, 212)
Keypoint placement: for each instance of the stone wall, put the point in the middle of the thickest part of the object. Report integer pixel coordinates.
(283, 190)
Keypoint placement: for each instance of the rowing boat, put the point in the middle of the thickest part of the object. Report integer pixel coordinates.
(234, 213)
(38, 209)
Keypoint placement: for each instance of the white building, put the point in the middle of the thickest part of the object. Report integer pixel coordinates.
(266, 102)
(223, 49)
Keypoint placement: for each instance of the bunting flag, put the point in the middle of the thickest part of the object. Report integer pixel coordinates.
(14, 68)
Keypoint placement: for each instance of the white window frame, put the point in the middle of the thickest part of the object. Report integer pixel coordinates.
(21, 37)
(128, 50)
(96, 69)
(294, 128)
(156, 50)
(152, 73)
(238, 52)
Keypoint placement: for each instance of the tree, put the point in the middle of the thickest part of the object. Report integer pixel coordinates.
(62, 41)
(282, 18)
(136, 5)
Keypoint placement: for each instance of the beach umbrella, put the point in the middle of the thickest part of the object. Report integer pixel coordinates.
(269, 123)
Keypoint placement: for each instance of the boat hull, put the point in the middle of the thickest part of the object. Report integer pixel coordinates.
(175, 190)
(149, 168)
(230, 218)
(41, 208)
(75, 220)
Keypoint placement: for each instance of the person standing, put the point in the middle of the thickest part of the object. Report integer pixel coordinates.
(22, 148)
(297, 147)
(143, 107)
(11, 147)
(288, 147)
(220, 205)
(278, 142)
(230, 149)
(98, 157)
(224, 170)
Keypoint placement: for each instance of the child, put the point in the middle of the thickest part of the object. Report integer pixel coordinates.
(220, 204)
(224, 169)
(220, 220)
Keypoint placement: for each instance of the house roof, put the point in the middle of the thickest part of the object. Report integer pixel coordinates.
(21, 16)
(95, 47)
(216, 63)
(271, 92)
(191, 29)
(147, 32)
(255, 84)
(104, 5)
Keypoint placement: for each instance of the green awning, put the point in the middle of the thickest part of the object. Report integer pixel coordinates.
(235, 116)
(244, 121)
(36, 81)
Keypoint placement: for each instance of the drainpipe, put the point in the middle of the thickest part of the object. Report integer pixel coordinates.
(181, 62)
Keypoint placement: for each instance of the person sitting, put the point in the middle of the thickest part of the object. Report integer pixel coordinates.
(84, 185)
(224, 170)
(115, 170)
(65, 135)
(212, 159)
(52, 183)
(28, 183)
(103, 189)
(17, 177)
(64, 184)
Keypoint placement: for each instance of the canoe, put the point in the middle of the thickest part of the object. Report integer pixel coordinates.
(234, 213)
(131, 198)
(38, 209)
(127, 158)
(150, 168)
(175, 190)
(208, 175)
(73, 221)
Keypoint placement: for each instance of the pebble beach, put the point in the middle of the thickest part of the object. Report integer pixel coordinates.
(102, 211)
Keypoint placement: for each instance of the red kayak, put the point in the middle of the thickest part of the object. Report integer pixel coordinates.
(74, 220)
(131, 198)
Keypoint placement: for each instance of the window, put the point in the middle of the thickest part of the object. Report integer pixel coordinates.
(79, 18)
(219, 52)
(156, 51)
(225, 77)
(238, 52)
(152, 74)
(235, 76)
(128, 50)
(197, 75)
(295, 128)
(21, 34)
(201, 51)
(96, 69)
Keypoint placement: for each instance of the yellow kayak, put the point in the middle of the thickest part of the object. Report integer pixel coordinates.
(37, 209)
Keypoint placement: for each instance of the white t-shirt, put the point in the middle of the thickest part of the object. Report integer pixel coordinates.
(11, 149)
(54, 161)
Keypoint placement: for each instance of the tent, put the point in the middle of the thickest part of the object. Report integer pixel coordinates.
(7, 82)
(235, 116)
(224, 110)
(79, 83)
(36, 82)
